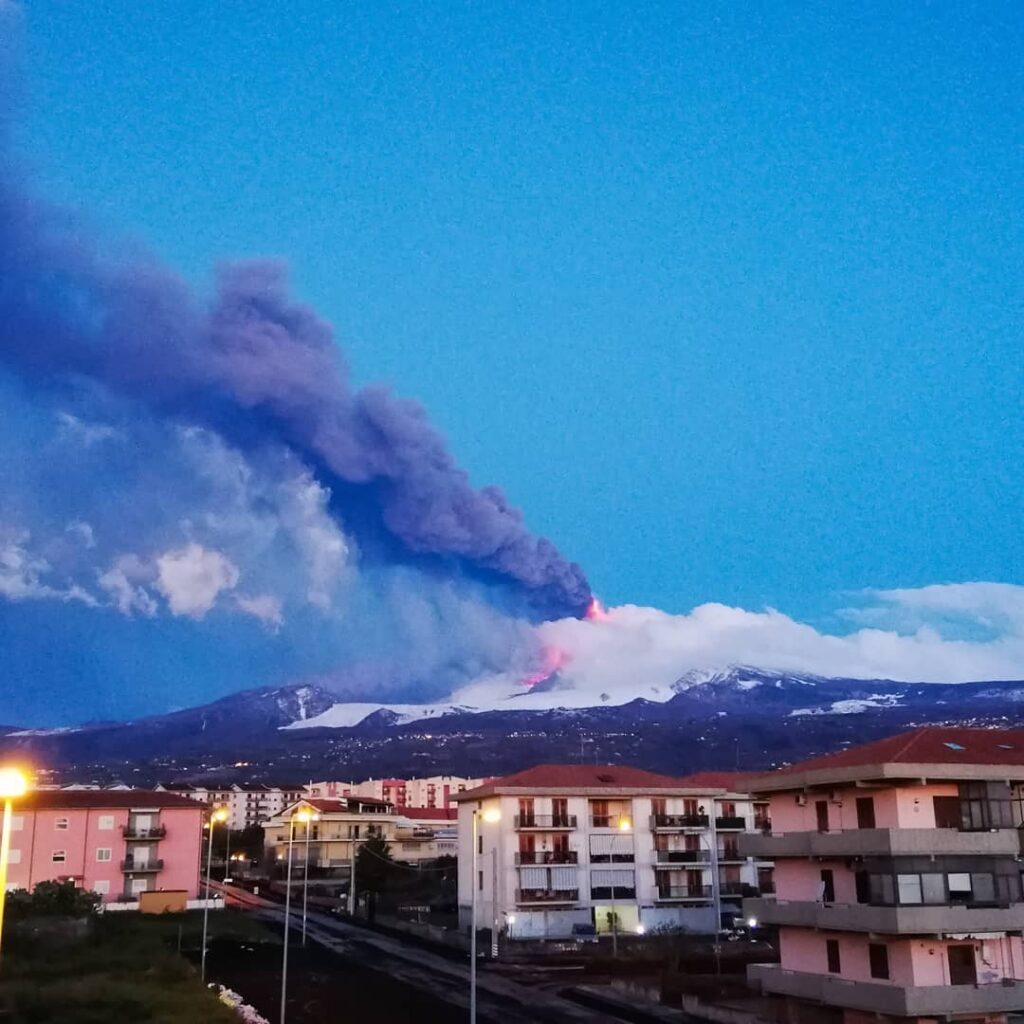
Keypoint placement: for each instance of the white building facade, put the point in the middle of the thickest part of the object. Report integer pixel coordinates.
(576, 846)
(246, 805)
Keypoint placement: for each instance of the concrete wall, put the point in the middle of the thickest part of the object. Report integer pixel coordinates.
(895, 807)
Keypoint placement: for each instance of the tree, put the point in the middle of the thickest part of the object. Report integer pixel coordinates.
(375, 870)
(52, 899)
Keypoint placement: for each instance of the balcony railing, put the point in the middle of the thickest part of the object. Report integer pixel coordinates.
(608, 820)
(134, 832)
(730, 854)
(679, 821)
(738, 889)
(607, 892)
(547, 857)
(141, 866)
(682, 856)
(684, 892)
(547, 895)
(730, 822)
(524, 821)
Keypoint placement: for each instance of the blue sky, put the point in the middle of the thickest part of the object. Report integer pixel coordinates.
(728, 299)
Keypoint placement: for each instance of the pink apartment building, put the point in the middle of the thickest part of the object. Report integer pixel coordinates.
(897, 880)
(117, 843)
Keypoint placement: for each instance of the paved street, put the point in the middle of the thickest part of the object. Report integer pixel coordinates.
(501, 998)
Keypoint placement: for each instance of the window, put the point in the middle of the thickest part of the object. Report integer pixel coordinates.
(947, 811)
(14, 857)
(878, 957)
(103, 854)
(105, 822)
(865, 812)
(60, 824)
(480, 880)
(959, 887)
(983, 888)
(102, 887)
(832, 955)
(17, 822)
(933, 888)
(59, 856)
(909, 887)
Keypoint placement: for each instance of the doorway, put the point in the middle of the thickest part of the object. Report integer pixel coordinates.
(962, 970)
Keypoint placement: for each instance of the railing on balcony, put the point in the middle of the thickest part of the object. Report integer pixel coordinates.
(134, 832)
(547, 857)
(684, 892)
(609, 820)
(680, 821)
(607, 892)
(140, 866)
(544, 821)
(741, 889)
(547, 895)
(766, 888)
(730, 853)
(682, 856)
(730, 821)
(763, 825)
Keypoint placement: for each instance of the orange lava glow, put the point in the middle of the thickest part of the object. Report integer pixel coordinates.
(553, 660)
(596, 611)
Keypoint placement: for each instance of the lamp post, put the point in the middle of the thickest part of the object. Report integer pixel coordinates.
(491, 815)
(12, 783)
(625, 826)
(307, 817)
(220, 814)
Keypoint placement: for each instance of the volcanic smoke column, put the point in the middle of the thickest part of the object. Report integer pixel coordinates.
(263, 371)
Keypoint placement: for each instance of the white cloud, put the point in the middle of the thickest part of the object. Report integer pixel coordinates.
(124, 582)
(644, 650)
(320, 541)
(73, 428)
(264, 607)
(192, 577)
(83, 531)
(22, 575)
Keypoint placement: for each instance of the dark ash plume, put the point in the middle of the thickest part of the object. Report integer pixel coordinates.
(260, 369)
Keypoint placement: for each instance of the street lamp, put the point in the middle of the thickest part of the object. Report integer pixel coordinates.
(13, 783)
(625, 826)
(491, 815)
(305, 816)
(218, 815)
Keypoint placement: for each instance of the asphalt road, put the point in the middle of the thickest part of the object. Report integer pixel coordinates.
(501, 998)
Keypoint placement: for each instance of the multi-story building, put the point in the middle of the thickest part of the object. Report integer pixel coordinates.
(413, 834)
(898, 881)
(609, 846)
(436, 791)
(246, 805)
(118, 843)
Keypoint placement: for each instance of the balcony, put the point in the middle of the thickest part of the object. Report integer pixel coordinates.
(134, 832)
(730, 823)
(609, 820)
(682, 856)
(539, 821)
(547, 857)
(669, 822)
(670, 893)
(884, 997)
(881, 842)
(141, 867)
(607, 892)
(901, 920)
(730, 855)
(526, 897)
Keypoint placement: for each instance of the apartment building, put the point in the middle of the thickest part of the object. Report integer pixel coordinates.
(898, 881)
(246, 805)
(414, 835)
(579, 845)
(118, 843)
(435, 791)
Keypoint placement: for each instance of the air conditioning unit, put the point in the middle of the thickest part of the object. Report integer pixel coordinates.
(801, 799)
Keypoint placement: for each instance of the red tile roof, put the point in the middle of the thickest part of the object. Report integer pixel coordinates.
(938, 746)
(428, 813)
(569, 778)
(103, 799)
(732, 781)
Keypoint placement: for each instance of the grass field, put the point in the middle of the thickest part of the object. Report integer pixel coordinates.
(126, 970)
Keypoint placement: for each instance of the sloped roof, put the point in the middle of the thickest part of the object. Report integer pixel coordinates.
(102, 799)
(944, 750)
(428, 813)
(734, 782)
(572, 778)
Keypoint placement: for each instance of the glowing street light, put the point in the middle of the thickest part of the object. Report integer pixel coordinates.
(13, 783)
(491, 815)
(218, 815)
(305, 816)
